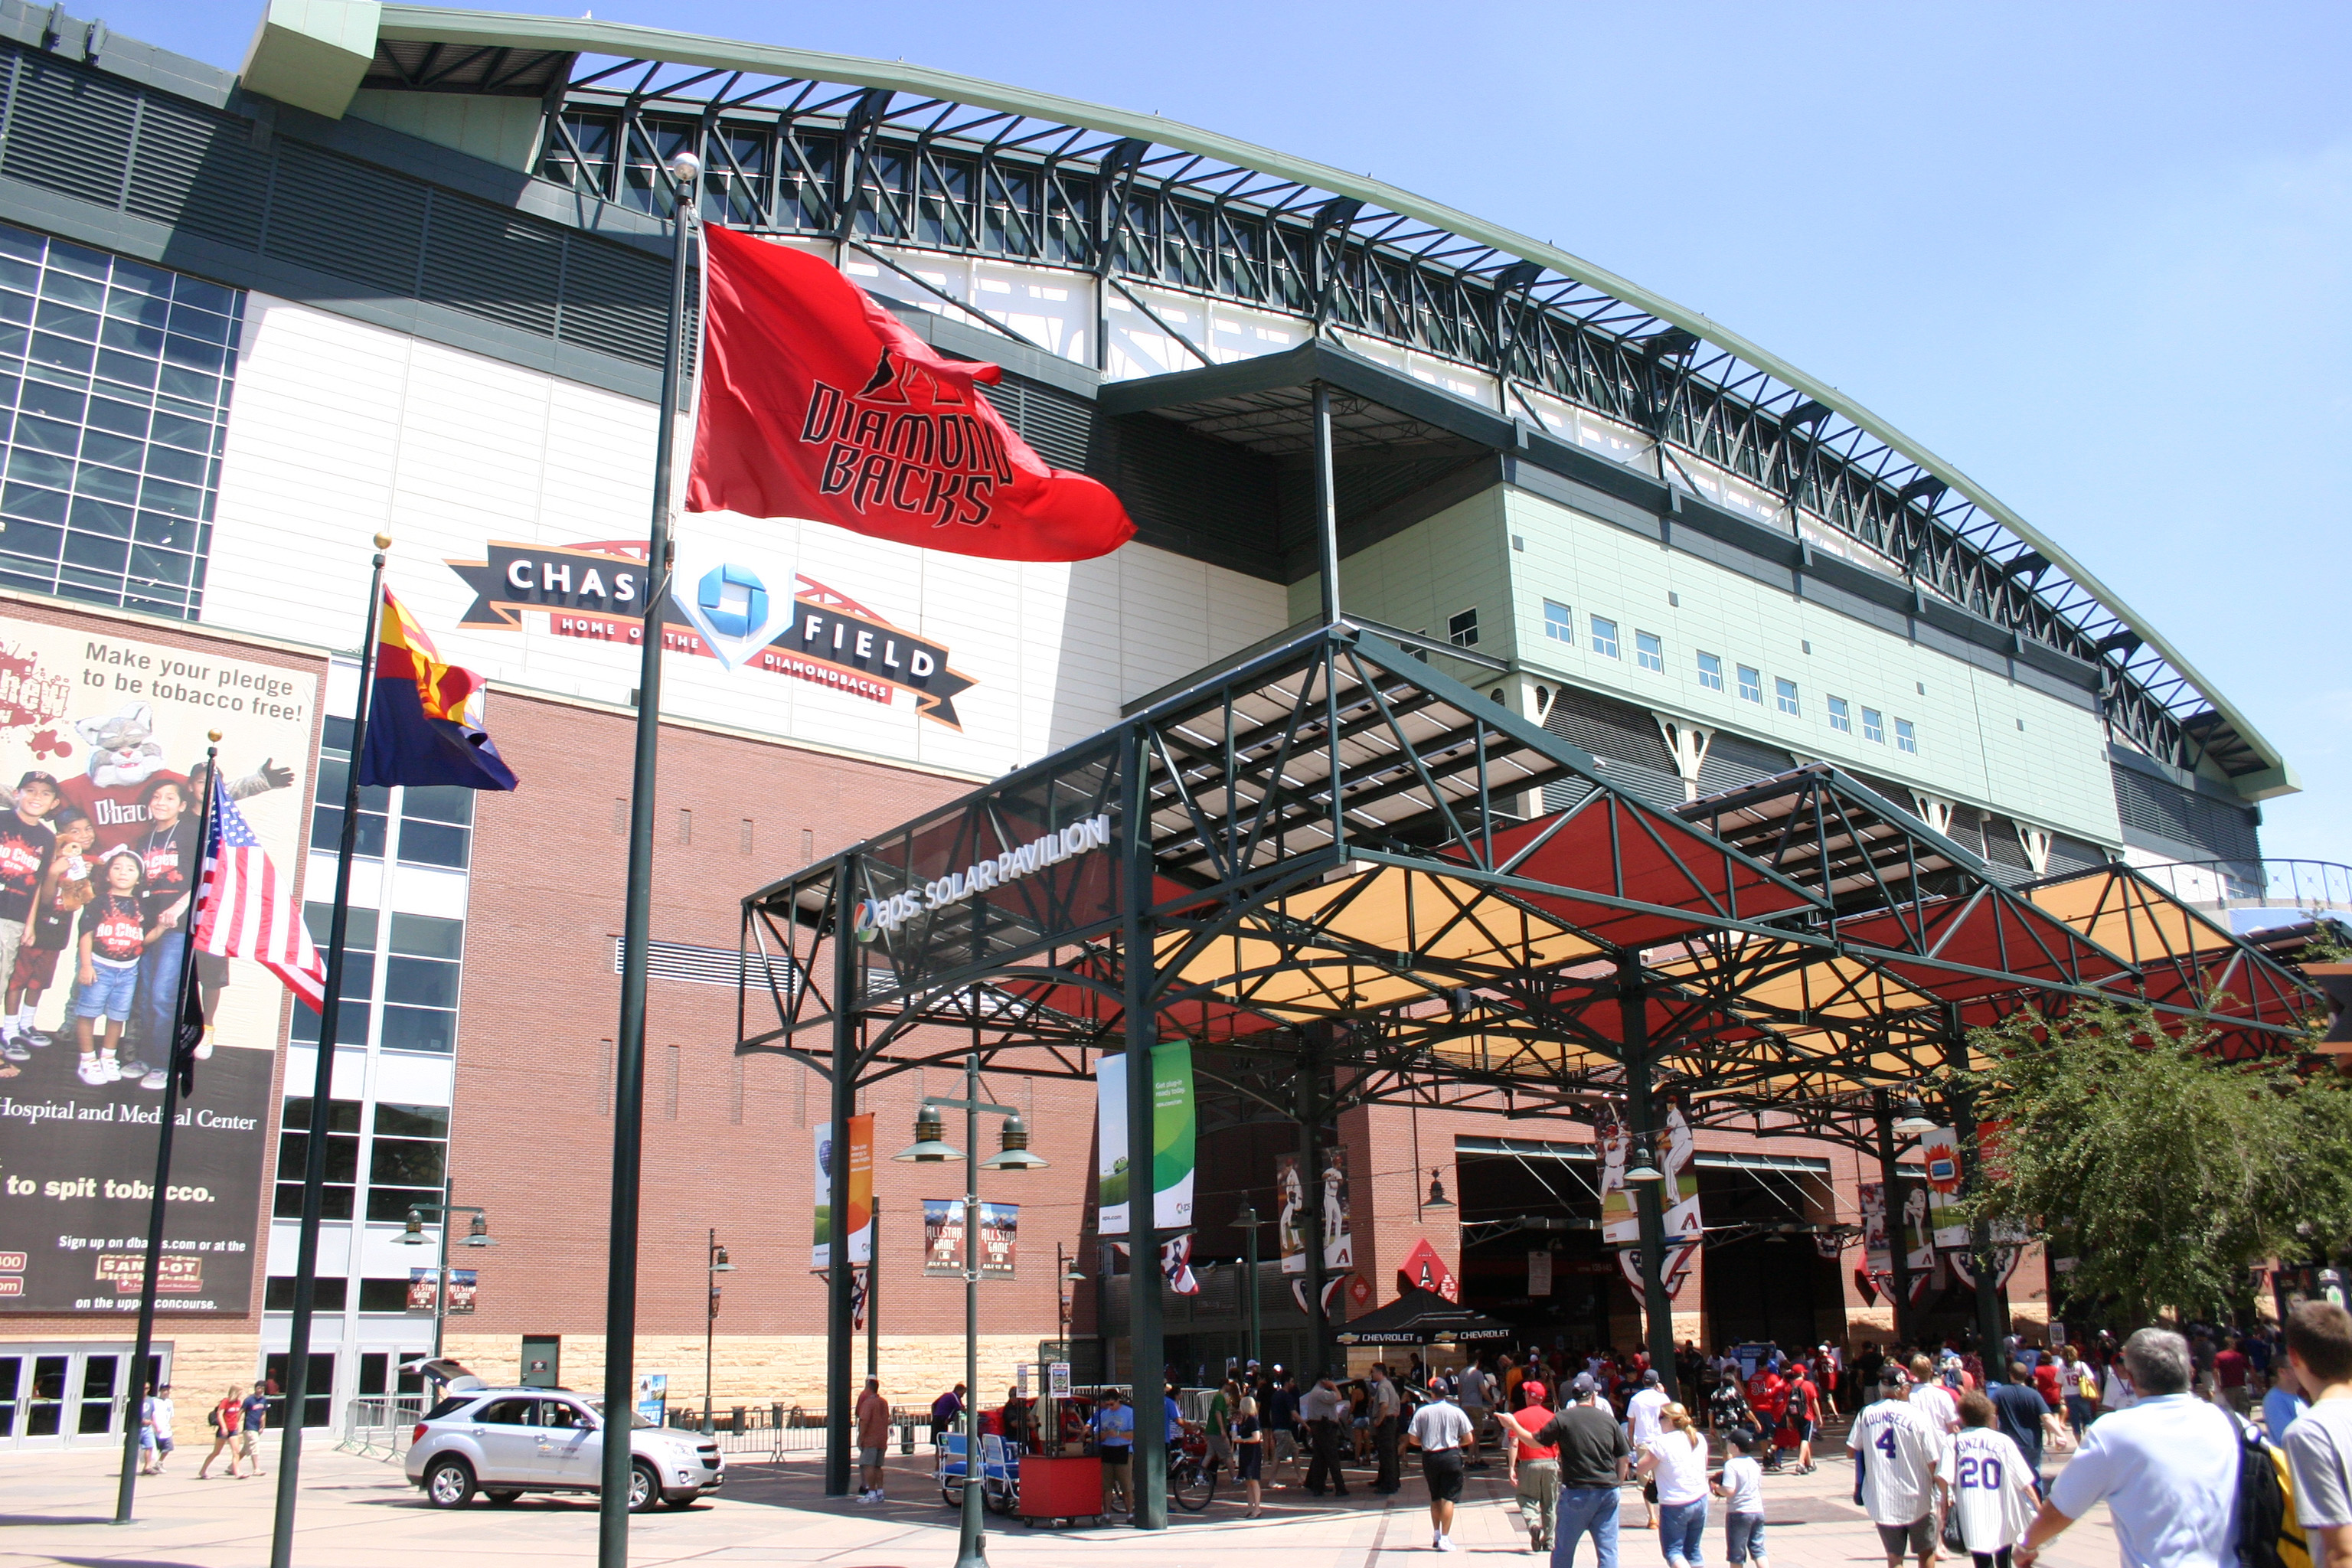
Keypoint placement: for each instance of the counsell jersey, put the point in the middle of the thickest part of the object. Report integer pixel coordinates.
(1902, 1447)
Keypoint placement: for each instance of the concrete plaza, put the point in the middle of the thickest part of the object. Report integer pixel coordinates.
(361, 1513)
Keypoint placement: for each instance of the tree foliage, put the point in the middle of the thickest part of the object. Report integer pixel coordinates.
(2165, 1170)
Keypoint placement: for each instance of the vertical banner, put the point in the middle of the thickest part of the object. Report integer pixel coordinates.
(1619, 1226)
(1173, 1135)
(1677, 1195)
(653, 1396)
(943, 1237)
(861, 1194)
(1538, 1273)
(1940, 1149)
(1338, 1238)
(424, 1290)
(462, 1289)
(1000, 1225)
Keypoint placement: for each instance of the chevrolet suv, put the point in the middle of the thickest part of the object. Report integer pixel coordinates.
(504, 1442)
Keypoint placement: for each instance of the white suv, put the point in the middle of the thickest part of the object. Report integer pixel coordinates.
(504, 1442)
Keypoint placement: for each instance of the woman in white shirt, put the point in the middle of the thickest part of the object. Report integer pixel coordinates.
(2117, 1393)
(1989, 1485)
(1677, 1462)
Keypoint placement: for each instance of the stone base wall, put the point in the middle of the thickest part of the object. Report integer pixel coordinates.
(762, 1370)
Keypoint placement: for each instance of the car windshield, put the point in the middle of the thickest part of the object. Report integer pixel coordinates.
(636, 1417)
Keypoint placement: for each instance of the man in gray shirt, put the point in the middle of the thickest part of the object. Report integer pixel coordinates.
(1326, 1415)
(1441, 1430)
(2319, 1445)
(1387, 1405)
(1593, 1459)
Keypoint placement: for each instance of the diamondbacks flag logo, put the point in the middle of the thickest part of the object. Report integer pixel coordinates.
(815, 402)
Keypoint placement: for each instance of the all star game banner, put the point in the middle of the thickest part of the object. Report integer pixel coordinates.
(99, 735)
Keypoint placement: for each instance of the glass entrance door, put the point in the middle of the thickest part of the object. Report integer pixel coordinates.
(54, 1395)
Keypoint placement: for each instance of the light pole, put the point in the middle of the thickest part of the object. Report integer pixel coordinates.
(929, 1149)
(715, 1257)
(478, 1234)
(1065, 1272)
(1247, 1222)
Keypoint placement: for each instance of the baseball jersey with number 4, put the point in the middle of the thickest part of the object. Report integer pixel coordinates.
(1902, 1447)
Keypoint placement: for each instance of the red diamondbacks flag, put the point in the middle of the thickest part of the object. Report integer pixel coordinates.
(815, 402)
(246, 909)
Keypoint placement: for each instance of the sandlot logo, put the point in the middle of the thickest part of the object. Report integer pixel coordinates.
(776, 620)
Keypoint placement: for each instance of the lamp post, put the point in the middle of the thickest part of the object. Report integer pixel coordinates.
(715, 1258)
(1247, 1222)
(478, 1234)
(930, 1148)
(1066, 1272)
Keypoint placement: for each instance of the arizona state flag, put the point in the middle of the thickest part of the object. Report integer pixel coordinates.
(423, 725)
(815, 402)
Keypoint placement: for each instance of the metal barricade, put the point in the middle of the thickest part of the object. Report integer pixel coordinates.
(379, 1428)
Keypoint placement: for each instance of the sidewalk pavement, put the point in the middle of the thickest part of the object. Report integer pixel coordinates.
(362, 1513)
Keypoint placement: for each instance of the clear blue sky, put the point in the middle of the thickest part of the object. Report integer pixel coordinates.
(2099, 256)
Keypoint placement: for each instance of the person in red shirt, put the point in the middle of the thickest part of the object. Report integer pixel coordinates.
(27, 845)
(113, 938)
(1804, 1414)
(2230, 1368)
(65, 889)
(1768, 1396)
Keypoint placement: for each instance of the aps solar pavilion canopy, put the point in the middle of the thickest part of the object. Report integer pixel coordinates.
(892, 160)
(1335, 846)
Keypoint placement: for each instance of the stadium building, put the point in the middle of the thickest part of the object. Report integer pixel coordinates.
(406, 270)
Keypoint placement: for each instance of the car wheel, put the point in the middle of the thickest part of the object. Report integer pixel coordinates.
(449, 1483)
(645, 1486)
(502, 1497)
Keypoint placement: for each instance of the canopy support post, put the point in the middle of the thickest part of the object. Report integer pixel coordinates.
(1993, 1316)
(1147, 1345)
(1310, 1190)
(1658, 1309)
(1898, 1251)
(840, 1344)
(1327, 504)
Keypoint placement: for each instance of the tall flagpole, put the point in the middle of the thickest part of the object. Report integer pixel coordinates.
(134, 1405)
(629, 1043)
(322, 1093)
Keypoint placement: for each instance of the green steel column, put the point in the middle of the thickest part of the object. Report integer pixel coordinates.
(840, 1339)
(1658, 1309)
(1890, 1175)
(1146, 1346)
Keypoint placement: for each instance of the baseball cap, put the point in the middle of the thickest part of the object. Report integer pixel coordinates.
(1532, 1390)
(1893, 1376)
(1584, 1384)
(1649, 1378)
(35, 775)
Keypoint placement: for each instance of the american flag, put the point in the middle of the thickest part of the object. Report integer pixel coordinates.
(246, 909)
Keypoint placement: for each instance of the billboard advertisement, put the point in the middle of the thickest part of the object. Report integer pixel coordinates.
(861, 1194)
(1172, 1137)
(99, 733)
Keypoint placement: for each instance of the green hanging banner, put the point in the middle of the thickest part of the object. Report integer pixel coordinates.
(1174, 1131)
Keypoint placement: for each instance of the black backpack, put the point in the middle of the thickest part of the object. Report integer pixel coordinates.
(2268, 1534)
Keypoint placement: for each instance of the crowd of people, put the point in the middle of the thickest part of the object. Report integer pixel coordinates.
(1949, 1453)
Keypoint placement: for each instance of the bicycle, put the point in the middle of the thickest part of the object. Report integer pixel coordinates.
(1191, 1474)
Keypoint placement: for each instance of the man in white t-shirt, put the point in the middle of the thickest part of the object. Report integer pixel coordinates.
(1932, 1399)
(1899, 1449)
(2319, 1443)
(2166, 1469)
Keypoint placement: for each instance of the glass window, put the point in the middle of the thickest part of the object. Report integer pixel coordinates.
(1461, 630)
(1784, 694)
(334, 783)
(420, 991)
(114, 345)
(1873, 726)
(1840, 716)
(1558, 623)
(384, 1295)
(1648, 651)
(435, 823)
(1906, 739)
(327, 1295)
(342, 1157)
(1710, 671)
(1604, 637)
(1751, 684)
(359, 975)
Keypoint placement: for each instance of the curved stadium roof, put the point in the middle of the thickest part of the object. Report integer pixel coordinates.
(872, 152)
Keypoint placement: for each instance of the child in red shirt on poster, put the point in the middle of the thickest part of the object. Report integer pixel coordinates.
(113, 938)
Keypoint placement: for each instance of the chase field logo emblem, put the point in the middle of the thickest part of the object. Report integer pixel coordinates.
(757, 615)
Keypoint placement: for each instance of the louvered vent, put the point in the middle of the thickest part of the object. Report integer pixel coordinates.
(345, 219)
(710, 965)
(199, 172)
(487, 262)
(2164, 810)
(615, 299)
(70, 131)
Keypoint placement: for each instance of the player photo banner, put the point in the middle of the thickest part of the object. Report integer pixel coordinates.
(99, 731)
(1290, 1224)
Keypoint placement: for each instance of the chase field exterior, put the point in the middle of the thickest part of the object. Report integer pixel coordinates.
(401, 273)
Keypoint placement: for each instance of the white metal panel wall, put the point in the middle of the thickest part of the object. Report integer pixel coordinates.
(340, 428)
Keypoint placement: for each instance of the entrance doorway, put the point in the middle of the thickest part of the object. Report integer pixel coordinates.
(66, 1396)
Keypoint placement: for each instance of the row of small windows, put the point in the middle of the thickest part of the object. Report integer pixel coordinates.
(1650, 654)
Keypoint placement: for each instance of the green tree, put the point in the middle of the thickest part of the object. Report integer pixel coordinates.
(2164, 1169)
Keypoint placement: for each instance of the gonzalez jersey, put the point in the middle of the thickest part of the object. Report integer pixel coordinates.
(1992, 1487)
(1900, 1449)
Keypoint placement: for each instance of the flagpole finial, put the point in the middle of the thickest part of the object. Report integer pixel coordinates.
(686, 168)
(383, 541)
(214, 736)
